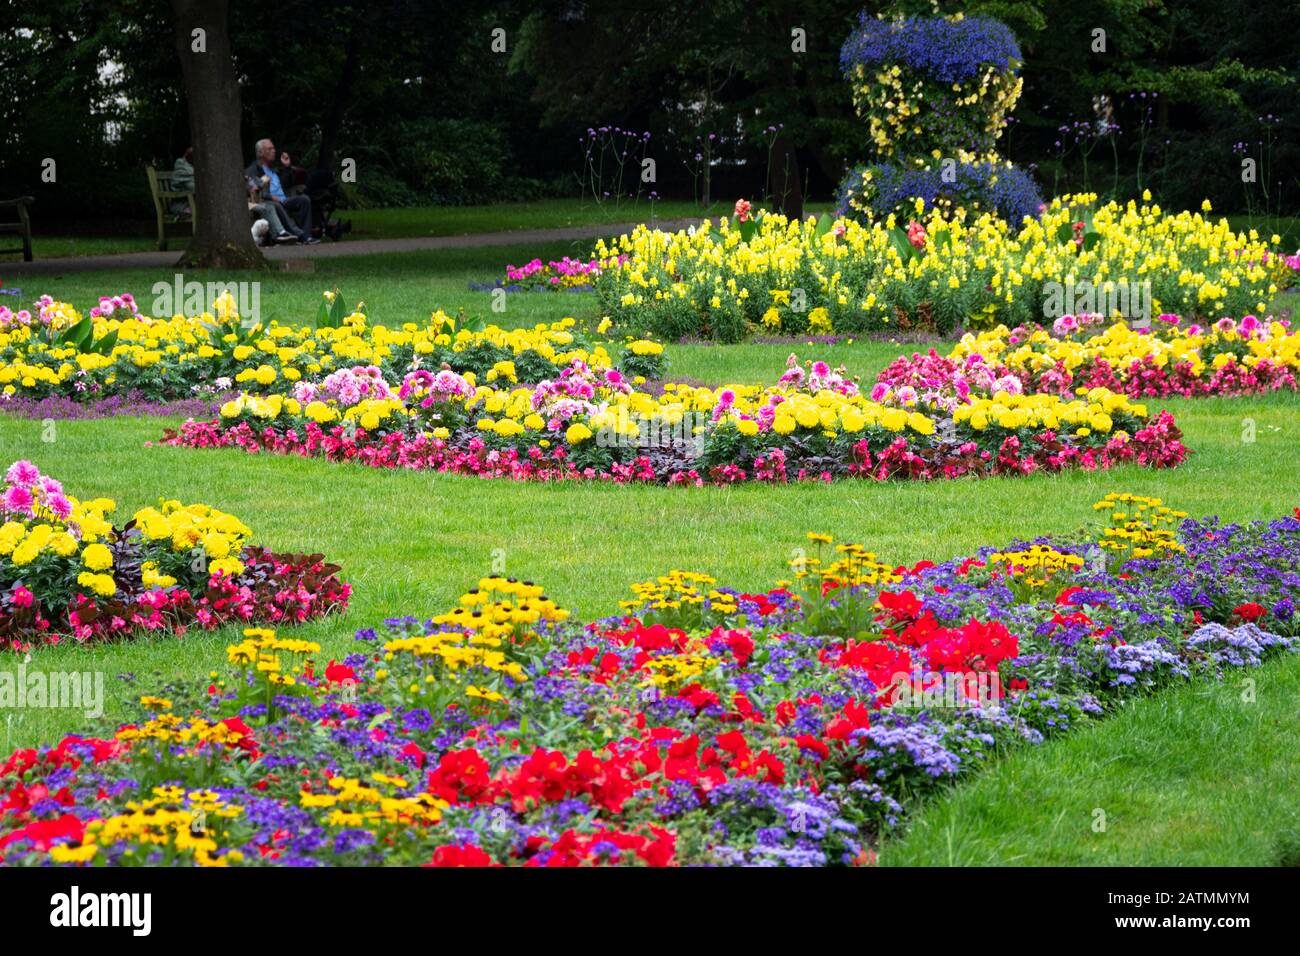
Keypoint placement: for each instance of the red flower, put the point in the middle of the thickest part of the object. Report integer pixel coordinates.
(903, 607)
(338, 673)
(461, 776)
(809, 742)
(449, 856)
(1250, 612)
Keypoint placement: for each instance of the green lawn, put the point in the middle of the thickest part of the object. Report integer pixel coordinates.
(396, 288)
(140, 235)
(1194, 776)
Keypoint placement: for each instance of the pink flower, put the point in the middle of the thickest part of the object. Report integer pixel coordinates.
(22, 472)
(60, 506)
(742, 210)
(916, 234)
(22, 597)
(18, 499)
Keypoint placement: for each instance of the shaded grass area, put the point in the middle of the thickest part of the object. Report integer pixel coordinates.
(396, 288)
(1196, 775)
(61, 240)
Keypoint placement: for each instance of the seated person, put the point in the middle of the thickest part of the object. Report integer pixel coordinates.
(297, 208)
(269, 227)
(183, 181)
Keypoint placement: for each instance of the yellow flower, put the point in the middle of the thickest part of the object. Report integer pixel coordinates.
(97, 557)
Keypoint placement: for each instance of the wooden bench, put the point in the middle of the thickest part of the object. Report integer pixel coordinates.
(160, 185)
(22, 227)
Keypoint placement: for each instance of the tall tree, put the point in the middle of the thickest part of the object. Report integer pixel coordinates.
(222, 238)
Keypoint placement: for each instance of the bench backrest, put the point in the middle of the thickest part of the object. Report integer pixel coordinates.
(160, 184)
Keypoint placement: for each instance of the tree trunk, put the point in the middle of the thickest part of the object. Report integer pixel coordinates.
(784, 182)
(222, 239)
(329, 135)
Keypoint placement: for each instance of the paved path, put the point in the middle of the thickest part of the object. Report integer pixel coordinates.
(334, 250)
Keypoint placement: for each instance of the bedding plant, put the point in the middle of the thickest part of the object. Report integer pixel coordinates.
(814, 424)
(797, 726)
(118, 352)
(946, 272)
(68, 573)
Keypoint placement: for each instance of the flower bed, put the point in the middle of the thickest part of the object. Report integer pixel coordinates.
(770, 275)
(117, 351)
(1227, 358)
(66, 571)
(796, 726)
(556, 275)
(812, 425)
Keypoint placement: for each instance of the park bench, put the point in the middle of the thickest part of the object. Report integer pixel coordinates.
(22, 227)
(160, 185)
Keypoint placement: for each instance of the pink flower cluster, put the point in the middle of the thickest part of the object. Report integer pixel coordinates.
(108, 304)
(818, 378)
(559, 272)
(939, 382)
(27, 491)
(348, 386)
(426, 388)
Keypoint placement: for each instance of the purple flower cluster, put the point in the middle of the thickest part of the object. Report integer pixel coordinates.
(62, 408)
(978, 187)
(949, 51)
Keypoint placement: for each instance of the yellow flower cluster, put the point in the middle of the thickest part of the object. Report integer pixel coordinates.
(1037, 565)
(1140, 526)
(184, 352)
(983, 270)
(671, 591)
(266, 655)
(1202, 351)
(1093, 411)
(172, 819)
(74, 538)
(355, 804)
(855, 567)
(191, 528)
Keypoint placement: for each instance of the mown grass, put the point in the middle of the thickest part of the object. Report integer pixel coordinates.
(396, 288)
(1197, 775)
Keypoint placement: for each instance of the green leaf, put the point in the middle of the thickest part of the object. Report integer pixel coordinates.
(105, 345)
(79, 333)
(323, 314)
(1065, 232)
(747, 230)
(902, 244)
(1091, 240)
(336, 311)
